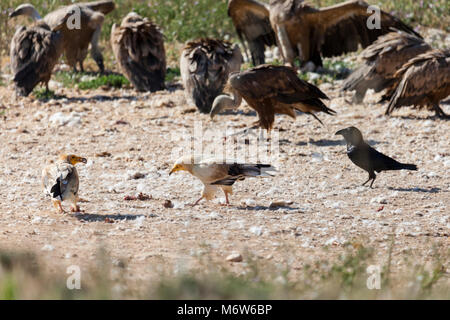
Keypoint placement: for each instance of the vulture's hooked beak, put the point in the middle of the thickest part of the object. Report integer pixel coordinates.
(80, 159)
(177, 167)
(340, 132)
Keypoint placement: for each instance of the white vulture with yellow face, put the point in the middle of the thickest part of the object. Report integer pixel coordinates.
(60, 181)
(217, 173)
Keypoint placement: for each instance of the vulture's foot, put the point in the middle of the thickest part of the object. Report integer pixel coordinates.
(100, 65)
(440, 113)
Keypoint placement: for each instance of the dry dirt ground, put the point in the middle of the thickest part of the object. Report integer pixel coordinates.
(127, 137)
(126, 134)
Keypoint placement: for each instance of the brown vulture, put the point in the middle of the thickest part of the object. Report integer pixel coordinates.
(423, 81)
(270, 89)
(138, 46)
(312, 33)
(34, 52)
(205, 65)
(76, 38)
(252, 23)
(381, 60)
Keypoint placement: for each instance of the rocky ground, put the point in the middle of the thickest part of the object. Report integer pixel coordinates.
(127, 137)
(315, 202)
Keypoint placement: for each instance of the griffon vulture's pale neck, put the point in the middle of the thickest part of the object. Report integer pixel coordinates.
(27, 10)
(225, 102)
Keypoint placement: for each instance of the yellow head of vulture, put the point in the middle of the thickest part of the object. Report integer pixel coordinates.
(72, 159)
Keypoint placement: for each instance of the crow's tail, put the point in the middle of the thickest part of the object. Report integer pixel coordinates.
(407, 166)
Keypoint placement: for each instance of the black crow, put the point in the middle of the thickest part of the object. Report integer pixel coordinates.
(366, 157)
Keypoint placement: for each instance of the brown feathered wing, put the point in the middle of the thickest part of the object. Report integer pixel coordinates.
(139, 49)
(35, 50)
(205, 65)
(425, 80)
(251, 20)
(270, 89)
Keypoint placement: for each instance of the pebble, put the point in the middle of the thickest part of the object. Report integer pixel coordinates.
(234, 257)
(48, 247)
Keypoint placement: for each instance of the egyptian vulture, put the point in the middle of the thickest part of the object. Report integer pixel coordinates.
(218, 174)
(252, 23)
(60, 181)
(423, 81)
(381, 60)
(312, 33)
(138, 47)
(270, 89)
(76, 38)
(205, 65)
(34, 52)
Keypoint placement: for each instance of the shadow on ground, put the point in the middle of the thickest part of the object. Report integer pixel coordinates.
(416, 189)
(92, 217)
(259, 208)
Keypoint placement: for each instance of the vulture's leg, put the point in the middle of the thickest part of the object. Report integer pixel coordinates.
(75, 206)
(359, 96)
(301, 57)
(196, 202)
(439, 112)
(226, 199)
(226, 191)
(257, 52)
(58, 206)
(95, 50)
(81, 66)
(285, 46)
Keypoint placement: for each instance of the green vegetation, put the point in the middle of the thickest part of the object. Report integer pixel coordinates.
(43, 94)
(22, 277)
(86, 81)
(172, 74)
(109, 81)
(182, 20)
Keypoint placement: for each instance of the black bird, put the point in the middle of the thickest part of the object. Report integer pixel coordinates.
(366, 157)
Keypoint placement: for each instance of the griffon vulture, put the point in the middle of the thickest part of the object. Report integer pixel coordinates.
(381, 60)
(270, 89)
(76, 37)
(205, 65)
(252, 23)
(138, 46)
(34, 52)
(423, 81)
(312, 33)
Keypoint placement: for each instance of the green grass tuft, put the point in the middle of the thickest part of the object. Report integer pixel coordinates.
(86, 81)
(172, 74)
(109, 81)
(43, 94)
